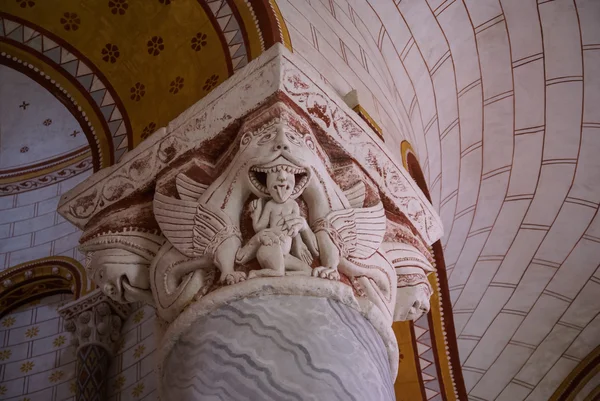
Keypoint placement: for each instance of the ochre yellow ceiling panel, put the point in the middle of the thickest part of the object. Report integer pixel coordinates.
(160, 57)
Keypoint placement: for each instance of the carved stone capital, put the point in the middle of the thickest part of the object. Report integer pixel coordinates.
(269, 177)
(95, 319)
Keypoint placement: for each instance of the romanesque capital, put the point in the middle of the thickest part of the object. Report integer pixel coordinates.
(95, 319)
(270, 185)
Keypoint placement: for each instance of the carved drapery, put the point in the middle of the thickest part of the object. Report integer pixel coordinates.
(269, 187)
(94, 322)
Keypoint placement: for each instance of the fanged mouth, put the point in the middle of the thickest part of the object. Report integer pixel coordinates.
(258, 176)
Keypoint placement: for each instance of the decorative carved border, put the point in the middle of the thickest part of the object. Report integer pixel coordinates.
(40, 278)
(79, 71)
(276, 73)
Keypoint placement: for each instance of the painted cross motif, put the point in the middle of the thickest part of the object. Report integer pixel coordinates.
(24, 105)
(74, 134)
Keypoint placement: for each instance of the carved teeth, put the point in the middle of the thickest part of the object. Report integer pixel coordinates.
(279, 167)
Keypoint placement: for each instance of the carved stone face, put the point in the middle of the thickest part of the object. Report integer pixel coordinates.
(279, 155)
(122, 275)
(413, 302)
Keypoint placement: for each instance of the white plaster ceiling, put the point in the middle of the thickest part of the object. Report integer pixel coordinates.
(501, 101)
(34, 125)
(30, 227)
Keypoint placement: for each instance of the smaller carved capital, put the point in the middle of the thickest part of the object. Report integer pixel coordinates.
(95, 319)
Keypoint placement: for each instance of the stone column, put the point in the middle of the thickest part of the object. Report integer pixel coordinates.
(276, 236)
(279, 347)
(95, 323)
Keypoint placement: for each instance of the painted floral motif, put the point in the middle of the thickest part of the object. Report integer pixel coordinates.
(72, 387)
(26, 399)
(199, 41)
(26, 3)
(156, 45)
(27, 366)
(119, 382)
(70, 21)
(139, 315)
(32, 332)
(9, 321)
(211, 82)
(110, 53)
(3, 390)
(138, 390)
(121, 345)
(139, 351)
(56, 376)
(148, 130)
(118, 6)
(5, 354)
(137, 91)
(47, 122)
(58, 341)
(176, 85)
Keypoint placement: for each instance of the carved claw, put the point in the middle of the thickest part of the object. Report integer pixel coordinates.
(326, 272)
(232, 278)
(292, 226)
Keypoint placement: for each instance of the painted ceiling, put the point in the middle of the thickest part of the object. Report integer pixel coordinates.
(129, 67)
(34, 125)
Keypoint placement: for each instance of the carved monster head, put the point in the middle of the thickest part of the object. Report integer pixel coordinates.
(120, 274)
(118, 263)
(278, 150)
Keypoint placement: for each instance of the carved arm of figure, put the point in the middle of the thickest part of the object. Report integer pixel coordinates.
(260, 214)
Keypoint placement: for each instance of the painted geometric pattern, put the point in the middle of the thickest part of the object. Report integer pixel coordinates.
(230, 27)
(36, 361)
(85, 75)
(92, 365)
(427, 359)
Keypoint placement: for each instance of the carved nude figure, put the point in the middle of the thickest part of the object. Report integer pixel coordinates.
(278, 225)
(204, 223)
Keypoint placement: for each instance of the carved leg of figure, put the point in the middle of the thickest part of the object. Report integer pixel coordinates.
(225, 261)
(271, 260)
(295, 265)
(330, 257)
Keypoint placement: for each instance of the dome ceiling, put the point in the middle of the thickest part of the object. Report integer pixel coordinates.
(38, 135)
(129, 67)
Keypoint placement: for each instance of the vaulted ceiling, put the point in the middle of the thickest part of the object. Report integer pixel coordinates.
(500, 100)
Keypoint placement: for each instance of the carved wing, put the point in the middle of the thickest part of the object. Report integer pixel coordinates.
(358, 232)
(188, 189)
(176, 220)
(356, 195)
(370, 229)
